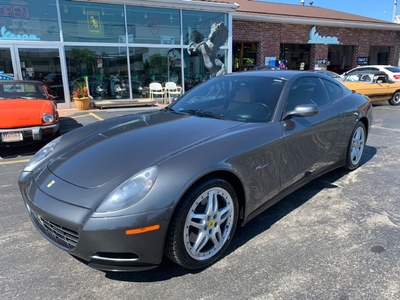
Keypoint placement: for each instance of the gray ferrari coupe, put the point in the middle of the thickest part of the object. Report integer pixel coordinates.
(122, 193)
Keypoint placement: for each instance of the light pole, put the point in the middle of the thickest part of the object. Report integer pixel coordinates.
(394, 11)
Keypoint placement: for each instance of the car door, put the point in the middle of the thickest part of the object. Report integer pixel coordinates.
(378, 89)
(387, 88)
(310, 143)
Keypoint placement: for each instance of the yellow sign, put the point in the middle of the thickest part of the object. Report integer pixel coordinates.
(94, 24)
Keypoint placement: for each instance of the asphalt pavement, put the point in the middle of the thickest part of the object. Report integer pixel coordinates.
(336, 238)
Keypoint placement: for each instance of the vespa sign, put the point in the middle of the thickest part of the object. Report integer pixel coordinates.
(315, 38)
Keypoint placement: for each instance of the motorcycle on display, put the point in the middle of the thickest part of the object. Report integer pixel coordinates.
(120, 88)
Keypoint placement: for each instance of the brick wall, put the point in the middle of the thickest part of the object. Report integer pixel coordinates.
(269, 36)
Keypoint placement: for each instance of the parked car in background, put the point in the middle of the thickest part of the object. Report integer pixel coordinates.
(178, 181)
(392, 71)
(330, 74)
(377, 85)
(265, 68)
(28, 113)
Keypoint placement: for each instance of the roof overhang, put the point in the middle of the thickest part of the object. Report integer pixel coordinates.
(178, 4)
(317, 22)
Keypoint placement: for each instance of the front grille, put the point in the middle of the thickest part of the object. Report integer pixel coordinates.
(59, 234)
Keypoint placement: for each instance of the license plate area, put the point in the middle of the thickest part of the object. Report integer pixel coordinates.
(9, 137)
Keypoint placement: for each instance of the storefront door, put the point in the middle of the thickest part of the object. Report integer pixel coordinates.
(7, 62)
(24, 62)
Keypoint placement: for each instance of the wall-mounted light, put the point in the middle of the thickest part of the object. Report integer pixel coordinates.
(122, 13)
(171, 18)
(84, 10)
(102, 12)
(65, 9)
(200, 19)
(145, 15)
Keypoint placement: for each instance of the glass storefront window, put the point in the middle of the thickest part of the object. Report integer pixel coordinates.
(92, 22)
(154, 65)
(195, 71)
(106, 69)
(29, 20)
(148, 25)
(197, 25)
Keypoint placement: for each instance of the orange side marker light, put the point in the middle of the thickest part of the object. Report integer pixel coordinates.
(142, 230)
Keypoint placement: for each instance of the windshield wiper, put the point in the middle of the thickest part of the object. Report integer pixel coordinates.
(203, 113)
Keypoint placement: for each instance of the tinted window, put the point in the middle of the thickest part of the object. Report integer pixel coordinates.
(393, 69)
(307, 90)
(241, 98)
(334, 91)
(359, 70)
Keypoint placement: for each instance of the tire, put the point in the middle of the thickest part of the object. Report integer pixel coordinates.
(356, 146)
(395, 100)
(203, 224)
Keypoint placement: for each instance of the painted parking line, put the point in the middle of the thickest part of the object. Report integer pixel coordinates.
(89, 115)
(96, 116)
(2, 162)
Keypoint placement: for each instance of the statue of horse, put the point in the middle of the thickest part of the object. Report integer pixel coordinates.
(209, 49)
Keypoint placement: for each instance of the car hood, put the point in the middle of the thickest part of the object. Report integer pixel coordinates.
(132, 146)
(23, 113)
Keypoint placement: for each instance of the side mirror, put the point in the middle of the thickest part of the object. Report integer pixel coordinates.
(304, 110)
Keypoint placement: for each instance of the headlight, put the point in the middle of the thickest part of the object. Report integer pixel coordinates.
(42, 153)
(48, 118)
(130, 192)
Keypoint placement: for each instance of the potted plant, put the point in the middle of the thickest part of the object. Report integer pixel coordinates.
(81, 96)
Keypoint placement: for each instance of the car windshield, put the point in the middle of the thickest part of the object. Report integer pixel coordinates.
(240, 98)
(25, 90)
(360, 77)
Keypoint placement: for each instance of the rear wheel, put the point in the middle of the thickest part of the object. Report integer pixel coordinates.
(355, 148)
(395, 100)
(203, 224)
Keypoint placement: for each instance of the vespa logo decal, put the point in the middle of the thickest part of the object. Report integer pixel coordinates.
(315, 38)
(8, 35)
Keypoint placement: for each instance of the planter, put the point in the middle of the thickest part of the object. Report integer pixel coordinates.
(82, 103)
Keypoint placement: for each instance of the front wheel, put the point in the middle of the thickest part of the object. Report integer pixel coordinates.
(203, 224)
(355, 148)
(395, 100)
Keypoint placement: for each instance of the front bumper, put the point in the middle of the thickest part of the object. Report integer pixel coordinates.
(31, 134)
(102, 243)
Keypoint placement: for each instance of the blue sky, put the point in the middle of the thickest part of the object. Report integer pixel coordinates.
(377, 9)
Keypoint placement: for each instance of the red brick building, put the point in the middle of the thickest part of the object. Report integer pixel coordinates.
(310, 37)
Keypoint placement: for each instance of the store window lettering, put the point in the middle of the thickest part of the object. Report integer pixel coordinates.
(14, 11)
(7, 35)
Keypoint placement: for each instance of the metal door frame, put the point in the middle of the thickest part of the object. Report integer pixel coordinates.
(16, 63)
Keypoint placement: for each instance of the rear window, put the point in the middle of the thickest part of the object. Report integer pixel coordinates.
(393, 69)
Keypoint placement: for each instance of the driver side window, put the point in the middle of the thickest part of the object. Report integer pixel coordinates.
(308, 90)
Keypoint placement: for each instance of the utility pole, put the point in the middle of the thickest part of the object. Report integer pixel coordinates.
(394, 11)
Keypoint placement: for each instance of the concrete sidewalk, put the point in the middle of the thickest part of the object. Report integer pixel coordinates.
(65, 112)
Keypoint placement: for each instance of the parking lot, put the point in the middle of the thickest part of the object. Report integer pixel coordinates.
(336, 238)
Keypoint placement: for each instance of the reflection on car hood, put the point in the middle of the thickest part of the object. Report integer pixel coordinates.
(23, 113)
(133, 146)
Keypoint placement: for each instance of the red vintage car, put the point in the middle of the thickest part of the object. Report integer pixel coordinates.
(28, 113)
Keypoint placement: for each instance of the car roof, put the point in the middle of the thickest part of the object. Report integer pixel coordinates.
(285, 74)
(369, 72)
